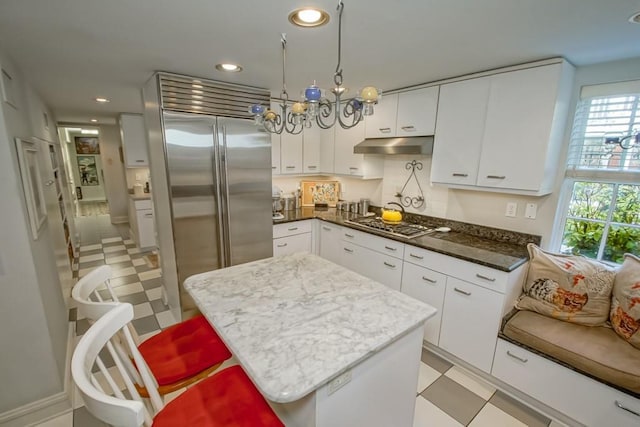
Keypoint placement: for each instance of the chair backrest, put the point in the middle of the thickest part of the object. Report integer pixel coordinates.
(115, 410)
(85, 293)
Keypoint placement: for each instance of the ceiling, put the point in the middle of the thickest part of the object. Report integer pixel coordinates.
(75, 50)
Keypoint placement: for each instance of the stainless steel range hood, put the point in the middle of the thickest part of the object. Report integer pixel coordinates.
(398, 145)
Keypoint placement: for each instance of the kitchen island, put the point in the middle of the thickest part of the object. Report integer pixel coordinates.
(326, 346)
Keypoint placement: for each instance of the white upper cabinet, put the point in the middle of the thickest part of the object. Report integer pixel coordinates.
(417, 112)
(458, 136)
(311, 142)
(383, 122)
(503, 132)
(134, 140)
(290, 153)
(347, 162)
(410, 113)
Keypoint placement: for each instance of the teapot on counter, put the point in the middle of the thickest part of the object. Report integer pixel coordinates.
(392, 216)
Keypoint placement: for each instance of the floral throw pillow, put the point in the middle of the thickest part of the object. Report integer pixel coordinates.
(567, 287)
(625, 302)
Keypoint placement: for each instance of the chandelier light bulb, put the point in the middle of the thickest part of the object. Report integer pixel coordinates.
(269, 115)
(369, 94)
(298, 108)
(312, 93)
(256, 109)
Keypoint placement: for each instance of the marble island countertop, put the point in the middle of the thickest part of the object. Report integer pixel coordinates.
(297, 321)
(501, 255)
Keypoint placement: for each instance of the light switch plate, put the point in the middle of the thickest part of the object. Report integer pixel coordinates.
(531, 211)
(512, 209)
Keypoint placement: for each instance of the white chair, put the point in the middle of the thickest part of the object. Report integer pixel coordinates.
(228, 398)
(177, 356)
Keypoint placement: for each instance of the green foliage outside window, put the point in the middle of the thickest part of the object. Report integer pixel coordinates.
(589, 212)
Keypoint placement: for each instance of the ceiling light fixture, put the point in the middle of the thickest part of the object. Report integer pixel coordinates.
(315, 107)
(94, 120)
(635, 18)
(89, 132)
(308, 17)
(101, 99)
(230, 68)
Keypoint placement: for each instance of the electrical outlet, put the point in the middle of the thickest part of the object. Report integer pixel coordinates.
(138, 177)
(339, 382)
(531, 211)
(512, 209)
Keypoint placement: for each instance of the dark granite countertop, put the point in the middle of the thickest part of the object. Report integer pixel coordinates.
(470, 245)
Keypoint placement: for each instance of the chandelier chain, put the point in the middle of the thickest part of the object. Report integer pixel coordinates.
(284, 94)
(337, 77)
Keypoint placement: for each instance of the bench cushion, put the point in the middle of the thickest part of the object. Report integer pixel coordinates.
(598, 351)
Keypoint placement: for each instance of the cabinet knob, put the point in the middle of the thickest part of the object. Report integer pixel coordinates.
(463, 175)
(496, 176)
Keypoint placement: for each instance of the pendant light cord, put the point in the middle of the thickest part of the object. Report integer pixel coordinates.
(337, 77)
(284, 94)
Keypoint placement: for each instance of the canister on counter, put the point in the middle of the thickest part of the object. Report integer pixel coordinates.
(353, 207)
(364, 206)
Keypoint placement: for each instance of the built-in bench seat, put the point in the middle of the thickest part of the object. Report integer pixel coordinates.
(596, 351)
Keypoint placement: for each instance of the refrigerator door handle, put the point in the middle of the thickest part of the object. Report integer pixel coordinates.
(225, 199)
(217, 166)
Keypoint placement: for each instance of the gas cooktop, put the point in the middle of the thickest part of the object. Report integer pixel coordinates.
(402, 229)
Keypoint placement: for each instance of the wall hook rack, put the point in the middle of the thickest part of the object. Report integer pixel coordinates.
(418, 200)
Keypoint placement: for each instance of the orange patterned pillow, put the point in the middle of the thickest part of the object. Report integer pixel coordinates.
(567, 287)
(625, 302)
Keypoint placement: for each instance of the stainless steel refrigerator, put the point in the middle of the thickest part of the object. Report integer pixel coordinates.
(219, 180)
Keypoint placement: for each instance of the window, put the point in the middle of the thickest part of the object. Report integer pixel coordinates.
(601, 208)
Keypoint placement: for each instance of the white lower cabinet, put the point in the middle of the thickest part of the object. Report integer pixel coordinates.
(585, 400)
(141, 224)
(470, 322)
(292, 237)
(331, 242)
(427, 286)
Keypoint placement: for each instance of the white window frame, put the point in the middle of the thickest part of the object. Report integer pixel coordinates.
(595, 175)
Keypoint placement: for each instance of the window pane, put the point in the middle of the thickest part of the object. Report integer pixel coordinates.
(582, 238)
(590, 200)
(621, 240)
(627, 209)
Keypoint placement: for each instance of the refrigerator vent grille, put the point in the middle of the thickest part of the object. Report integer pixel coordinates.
(191, 95)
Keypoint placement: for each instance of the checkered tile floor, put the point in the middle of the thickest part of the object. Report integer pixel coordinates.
(447, 395)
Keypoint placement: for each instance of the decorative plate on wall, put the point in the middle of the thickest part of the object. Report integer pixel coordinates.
(320, 192)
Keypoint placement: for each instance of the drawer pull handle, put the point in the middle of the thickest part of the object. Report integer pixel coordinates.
(426, 279)
(273, 167)
(326, 228)
(416, 256)
(282, 245)
(408, 128)
(351, 236)
(621, 406)
(389, 264)
(463, 175)
(290, 167)
(311, 167)
(148, 215)
(496, 176)
(292, 228)
(348, 250)
(522, 359)
(480, 276)
(139, 161)
(353, 168)
(385, 130)
(460, 291)
(391, 248)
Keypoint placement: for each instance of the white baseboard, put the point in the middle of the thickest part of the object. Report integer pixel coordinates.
(49, 407)
(119, 219)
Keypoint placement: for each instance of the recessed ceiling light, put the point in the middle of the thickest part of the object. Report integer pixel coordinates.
(100, 99)
(231, 68)
(635, 18)
(89, 132)
(94, 120)
(308, 17)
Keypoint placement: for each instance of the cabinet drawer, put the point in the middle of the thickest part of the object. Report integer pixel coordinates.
(142, 204)
(470, 322)
(291, 244)
(581, 398)
(379, 267)
(427, 286)
(486, 277)
(291, 228)
(369, 241)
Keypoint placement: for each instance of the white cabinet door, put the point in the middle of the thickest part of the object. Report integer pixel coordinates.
(290, 153)
(311, 141)
(346, 162)
(134, 140)
(427, 286)
(383, 121)
(518, 126)
(330, 242)
(145, 228)
(459, 130)
(417, 112)
(291, 244)
(470, 322)
(327, 147)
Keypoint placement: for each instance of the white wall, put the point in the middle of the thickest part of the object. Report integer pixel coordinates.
(32, 310)
(114, 173)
